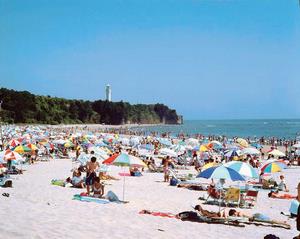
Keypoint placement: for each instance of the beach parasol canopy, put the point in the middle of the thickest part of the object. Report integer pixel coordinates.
(209, 165)
(203, 148)
(10, 155)
(32, 146)
(233, 153)
(242, 168)
(126, 160)
(273, 167)
(242, 142)
(221, 172)
(257, 145)
(251, 151)
(276, 153)
(296, 145)
(168, 152)
(192, 142)
(22, 149)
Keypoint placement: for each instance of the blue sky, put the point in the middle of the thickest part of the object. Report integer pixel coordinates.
(208, 59)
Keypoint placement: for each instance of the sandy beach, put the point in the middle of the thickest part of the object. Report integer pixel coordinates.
(37, 209)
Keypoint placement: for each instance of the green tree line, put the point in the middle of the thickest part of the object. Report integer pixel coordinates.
(24, 107)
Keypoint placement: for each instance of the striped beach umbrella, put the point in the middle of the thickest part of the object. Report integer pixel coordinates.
(242, 168)
(209, 165)
(221, 172)
(272, 167)
(32, 146)
(22, 149)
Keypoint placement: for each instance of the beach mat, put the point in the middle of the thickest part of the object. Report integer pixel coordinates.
(124, 174)
(90, 199)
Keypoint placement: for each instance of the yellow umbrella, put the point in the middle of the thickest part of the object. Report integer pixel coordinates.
(203, 148)
(242, 142)
(209, 165)
(22, 149)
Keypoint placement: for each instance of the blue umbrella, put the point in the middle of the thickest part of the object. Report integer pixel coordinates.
(219, 172)
(257, 145)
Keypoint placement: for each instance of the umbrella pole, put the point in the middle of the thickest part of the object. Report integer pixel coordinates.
(123, 184)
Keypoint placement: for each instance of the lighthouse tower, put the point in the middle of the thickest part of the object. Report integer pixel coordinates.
(108, 92)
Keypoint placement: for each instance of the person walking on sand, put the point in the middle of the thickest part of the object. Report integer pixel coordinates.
(91, 168)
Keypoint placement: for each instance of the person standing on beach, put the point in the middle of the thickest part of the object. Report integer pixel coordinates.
(298, 214)
(91, 168)
(166, 162)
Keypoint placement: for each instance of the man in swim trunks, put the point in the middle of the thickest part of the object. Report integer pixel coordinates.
(91, 168)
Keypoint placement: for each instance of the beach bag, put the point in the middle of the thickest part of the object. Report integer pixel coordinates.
(173, 181)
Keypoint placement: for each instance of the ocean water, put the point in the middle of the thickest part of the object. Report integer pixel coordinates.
(284, 128)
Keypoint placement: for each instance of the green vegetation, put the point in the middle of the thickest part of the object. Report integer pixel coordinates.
(24, 107)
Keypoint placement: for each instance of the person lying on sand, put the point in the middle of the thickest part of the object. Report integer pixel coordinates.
(105, 176)
(276, 194)
(255, 217)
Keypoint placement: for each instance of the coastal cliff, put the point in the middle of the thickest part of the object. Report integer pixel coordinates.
(24, 107)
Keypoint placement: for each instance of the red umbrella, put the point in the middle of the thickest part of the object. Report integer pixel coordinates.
(111, 159)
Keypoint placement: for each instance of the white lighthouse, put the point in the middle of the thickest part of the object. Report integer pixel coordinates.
(108, 92)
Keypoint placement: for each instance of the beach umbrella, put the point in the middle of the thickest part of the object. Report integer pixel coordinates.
(22, 149)
(126, 160)
(209, 165)
(192, 142)
(233, 153)
(59, 141)
(83, 158)
(10, 155)
(251, 151)
(214, 145)
(273, 167)
(168, 152)
(146, 146)
(203, 148)
(14, 143)
(165, 141)
(257, 145)
(32, 146)
(276, 153)
(221, 172)
(242, 168)
(296, 145)
(242, 142)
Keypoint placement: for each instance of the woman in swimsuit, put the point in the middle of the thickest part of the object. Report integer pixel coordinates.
(98, 188)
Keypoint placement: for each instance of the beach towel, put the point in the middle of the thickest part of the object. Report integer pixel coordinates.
(90, 199)
(124, 174)
(158, 214)
(285, 196)
(58, 182)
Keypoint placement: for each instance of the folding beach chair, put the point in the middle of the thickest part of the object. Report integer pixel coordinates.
(232, 196)
(250, 198)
